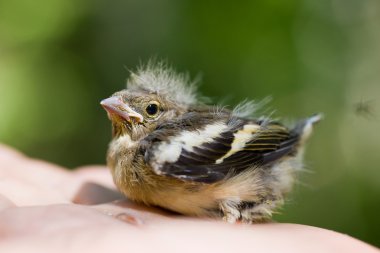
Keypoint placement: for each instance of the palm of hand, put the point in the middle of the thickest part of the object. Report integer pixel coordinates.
(46, 208)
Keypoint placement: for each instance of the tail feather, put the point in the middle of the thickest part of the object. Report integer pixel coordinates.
(305, 127)
(298, 135)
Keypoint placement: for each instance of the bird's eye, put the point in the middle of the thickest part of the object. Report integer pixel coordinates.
(152, 109)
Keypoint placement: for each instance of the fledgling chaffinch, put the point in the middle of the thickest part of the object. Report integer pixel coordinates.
(170, 150)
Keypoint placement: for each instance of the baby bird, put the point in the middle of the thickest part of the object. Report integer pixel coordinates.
(173, 151)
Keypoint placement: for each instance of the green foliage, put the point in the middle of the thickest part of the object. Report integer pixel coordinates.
(60, 58)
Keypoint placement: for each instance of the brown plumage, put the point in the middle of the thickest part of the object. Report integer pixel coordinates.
(170, 150)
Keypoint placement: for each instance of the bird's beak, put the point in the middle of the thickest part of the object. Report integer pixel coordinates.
(115, 106)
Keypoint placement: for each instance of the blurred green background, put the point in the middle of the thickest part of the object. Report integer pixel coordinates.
(59, 58)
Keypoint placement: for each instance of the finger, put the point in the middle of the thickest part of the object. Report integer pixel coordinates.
(27, 194)
(27, 181)
(92, 185)
(96, 174)
(93, 194)
(16, 166)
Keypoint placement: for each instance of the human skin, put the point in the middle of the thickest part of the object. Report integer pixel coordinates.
(45, 208)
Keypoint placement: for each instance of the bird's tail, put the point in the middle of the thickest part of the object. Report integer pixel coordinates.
(304, 128)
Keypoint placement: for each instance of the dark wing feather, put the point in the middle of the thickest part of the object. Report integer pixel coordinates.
(268, 144)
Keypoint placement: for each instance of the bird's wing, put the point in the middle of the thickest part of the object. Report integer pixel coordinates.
(209, 149)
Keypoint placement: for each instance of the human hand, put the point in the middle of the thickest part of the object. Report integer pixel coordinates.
(44, 207)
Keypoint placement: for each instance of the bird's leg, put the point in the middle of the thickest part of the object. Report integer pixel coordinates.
(259, 212)
(230, 210)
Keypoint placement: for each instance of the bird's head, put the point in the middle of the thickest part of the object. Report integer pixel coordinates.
(154, 94)
(138, 113)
